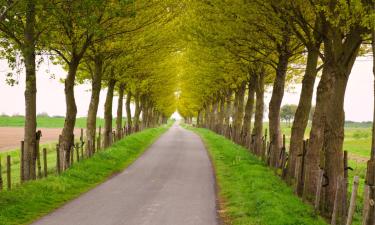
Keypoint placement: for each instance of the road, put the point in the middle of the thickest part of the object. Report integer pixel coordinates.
(172, 183)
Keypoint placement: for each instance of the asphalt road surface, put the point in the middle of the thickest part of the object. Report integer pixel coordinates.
(172, 183)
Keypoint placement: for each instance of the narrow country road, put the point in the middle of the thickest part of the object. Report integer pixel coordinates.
(172, 183)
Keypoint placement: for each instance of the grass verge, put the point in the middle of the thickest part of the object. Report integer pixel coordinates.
(249, 192)
(34, 199)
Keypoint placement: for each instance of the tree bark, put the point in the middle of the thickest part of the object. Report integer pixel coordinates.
(239, 113)
(228, 114)
(259, 113)
(275, 104)
(213, 116)
(107, 137)
(67, 136)
(128, 113)
(30, 94)
(370, 175)
(119, 111)
(335, 121)
(96, 86)
(301, 117)
(221, 115)
(312, 158)
(137, 113)
(246, 128)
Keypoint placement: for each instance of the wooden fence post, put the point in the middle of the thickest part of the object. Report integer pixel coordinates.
(58, 166)
(346, 184)
(9, 173)
(335, 213)
(37, 151)
(352, 201)
(300, 174)
(318, 190)
(71, 152)
(77, 151)
(99, 138)
(45, 162)
(366, 204)
(1, 177)
(22, 161)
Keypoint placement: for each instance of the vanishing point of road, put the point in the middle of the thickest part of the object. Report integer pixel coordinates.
(172, 183)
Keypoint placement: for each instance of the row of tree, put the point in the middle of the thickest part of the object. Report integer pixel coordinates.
(120, 45)
(235, 49)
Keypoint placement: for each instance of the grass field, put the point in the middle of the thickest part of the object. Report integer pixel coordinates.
(250, 192)
(46, 122)
(34, 199)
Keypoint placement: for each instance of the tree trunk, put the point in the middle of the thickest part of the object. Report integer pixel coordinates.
(246, 128)
(228, 114)
(199, 118)
(206, 116)
(107, 137)
(67, 136)
(137, 113)
(334, 127)
(119, 111)
(274, 107)
(96, 86)
(301, 117)
(213, 116)
(30, 94)
(312, 158)
(370, 175)
(239, 113)
(259, 113)
(128, 113)
(221, 115)
(332, 148)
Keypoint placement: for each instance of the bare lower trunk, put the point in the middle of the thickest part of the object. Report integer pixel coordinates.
(312, 158)
(239, 113)
(213, 120)
(303, 111)
(119, 111)
(246, 128)
(199, 118)
(369, 218)
(96, 86)
(259, 113)
(67, 136)
(128, 113)
(206, 116)
(137, 113)
(334, 131)
(274, 108)
(107, 137)
(333, 152)
(30, 95)
(228, 114)
(221, 115)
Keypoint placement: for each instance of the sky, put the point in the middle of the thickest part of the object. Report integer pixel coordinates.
(51, 100)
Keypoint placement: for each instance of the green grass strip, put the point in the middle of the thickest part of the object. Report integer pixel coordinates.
(249, 191)
(37, 198)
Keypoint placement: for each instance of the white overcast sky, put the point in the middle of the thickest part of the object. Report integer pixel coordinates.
(50, 95)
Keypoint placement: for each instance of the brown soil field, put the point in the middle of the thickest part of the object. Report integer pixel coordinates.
(10, 137)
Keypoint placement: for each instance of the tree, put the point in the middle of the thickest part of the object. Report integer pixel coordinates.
(21, 25)
(287, 113)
